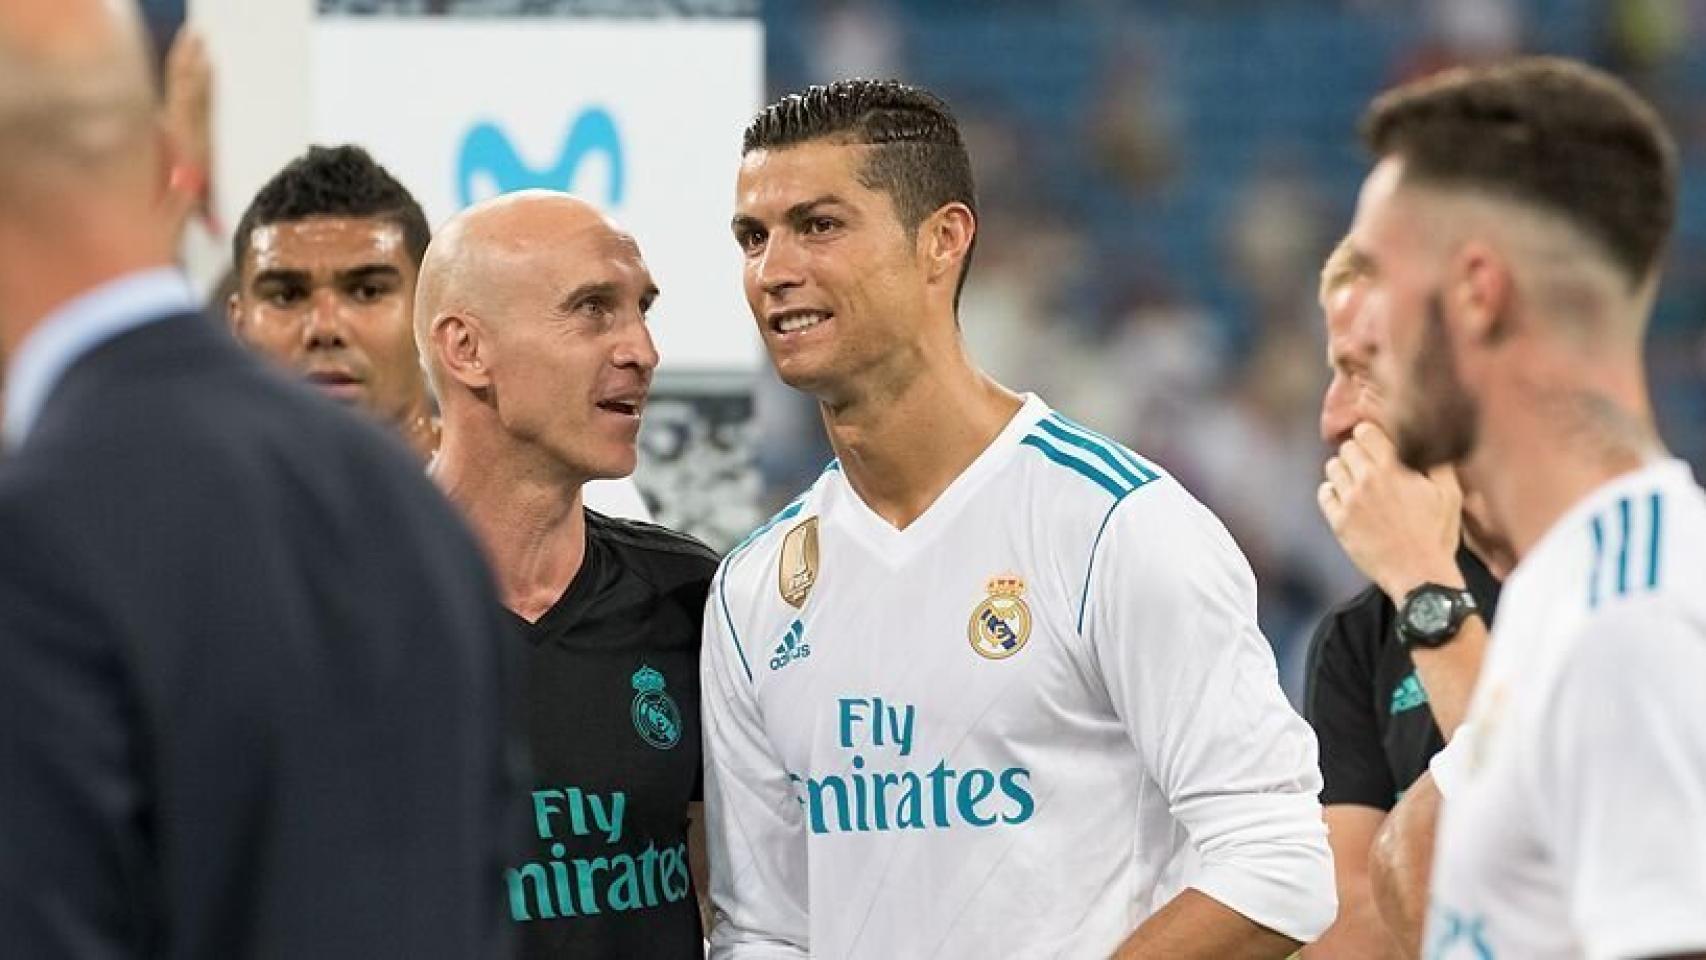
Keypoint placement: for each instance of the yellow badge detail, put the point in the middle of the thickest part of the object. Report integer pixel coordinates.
(1001, 624)
(797, 571)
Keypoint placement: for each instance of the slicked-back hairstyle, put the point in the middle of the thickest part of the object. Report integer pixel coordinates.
(334, 182)
(1552, 133)
(919, 161)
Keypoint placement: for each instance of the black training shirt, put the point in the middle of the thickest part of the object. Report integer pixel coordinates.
(612, 684)
(1365, 701)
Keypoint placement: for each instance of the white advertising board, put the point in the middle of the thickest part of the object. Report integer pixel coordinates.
(641, 117)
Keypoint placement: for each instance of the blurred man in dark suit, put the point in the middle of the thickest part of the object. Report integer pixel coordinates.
(251, 701)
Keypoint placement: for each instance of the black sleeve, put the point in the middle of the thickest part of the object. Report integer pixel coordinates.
(1339, 705)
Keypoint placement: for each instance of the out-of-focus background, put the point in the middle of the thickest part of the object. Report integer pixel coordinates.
(1159, 181)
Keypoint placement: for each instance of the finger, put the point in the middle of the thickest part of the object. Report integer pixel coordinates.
(1338, 476)
(1356, 458)
(1444, 479)
(1374, 440)
(1328, 500)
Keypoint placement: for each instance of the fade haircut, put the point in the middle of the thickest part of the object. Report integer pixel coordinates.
(334, 182)
(1555, 134)
(919, 159)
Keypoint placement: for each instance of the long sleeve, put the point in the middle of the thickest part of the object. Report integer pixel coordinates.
(755, 830)
(1171, 622)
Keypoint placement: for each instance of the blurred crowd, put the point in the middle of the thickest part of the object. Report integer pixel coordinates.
(1159, 185)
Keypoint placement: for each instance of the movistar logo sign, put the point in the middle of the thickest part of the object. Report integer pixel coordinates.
(487, 151)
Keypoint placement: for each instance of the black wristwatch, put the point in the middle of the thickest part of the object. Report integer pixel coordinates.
(1432, 614)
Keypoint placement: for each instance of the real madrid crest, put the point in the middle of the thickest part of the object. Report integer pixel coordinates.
(1001, 624)
(797, 570)
(655, 716)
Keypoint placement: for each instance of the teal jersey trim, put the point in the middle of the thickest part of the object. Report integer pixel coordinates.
(1076, 465)
(1145, 470)
(1623, 534)
(1101, 452)
(788, 512)
(723, 599)
(1089, 568)
(1655, 511)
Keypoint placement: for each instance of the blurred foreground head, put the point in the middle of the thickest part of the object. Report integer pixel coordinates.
(83, 155)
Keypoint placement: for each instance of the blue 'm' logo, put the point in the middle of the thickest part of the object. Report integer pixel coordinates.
(487, 149)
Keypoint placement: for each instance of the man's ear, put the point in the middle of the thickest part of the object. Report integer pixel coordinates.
(945, 238)
(458, 344)
(1482, 291)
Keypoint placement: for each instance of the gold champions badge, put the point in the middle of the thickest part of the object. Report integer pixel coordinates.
(797, 571)
(1001, 624)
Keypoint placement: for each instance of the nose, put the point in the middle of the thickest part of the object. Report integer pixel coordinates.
(324, 329)
(1339, 413)
(635, 349)
(778, 267)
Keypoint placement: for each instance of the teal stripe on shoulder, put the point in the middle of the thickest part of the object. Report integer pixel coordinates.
(1098, 450)
(1076, 465)
(1655, 523)
(1148, 471)
(788, 512)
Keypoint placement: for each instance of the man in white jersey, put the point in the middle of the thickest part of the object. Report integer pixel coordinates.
(1511, 234)
(993, 685)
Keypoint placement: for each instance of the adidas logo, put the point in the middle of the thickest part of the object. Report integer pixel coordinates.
(793, 647)
(1408, 695)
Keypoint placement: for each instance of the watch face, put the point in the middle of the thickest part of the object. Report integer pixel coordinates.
(1429, 613)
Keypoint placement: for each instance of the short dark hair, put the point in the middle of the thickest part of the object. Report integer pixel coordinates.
(1557, 134)
(919, 161)
(334, 182)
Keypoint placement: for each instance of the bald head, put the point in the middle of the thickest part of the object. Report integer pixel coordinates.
(530, 314)
(76, 94)
(518, 253)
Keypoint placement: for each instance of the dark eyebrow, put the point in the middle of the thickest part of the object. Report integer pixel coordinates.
(586, 291)
(600, 288)
(370, 271)
(803, 211)
(279, 275)
(795, 214)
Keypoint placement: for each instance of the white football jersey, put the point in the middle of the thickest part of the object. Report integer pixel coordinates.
(1015, 728)
(1575, 825)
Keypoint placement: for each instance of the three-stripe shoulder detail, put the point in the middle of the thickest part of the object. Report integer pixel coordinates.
(1627, 538)
(1092, 456)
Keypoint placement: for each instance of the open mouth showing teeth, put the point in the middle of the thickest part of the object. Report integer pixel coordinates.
(797, 321)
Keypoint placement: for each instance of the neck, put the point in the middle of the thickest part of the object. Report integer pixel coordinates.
(45, 269)
(525, 509)
(900, 450)
(1565, 429)
(419, 428)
